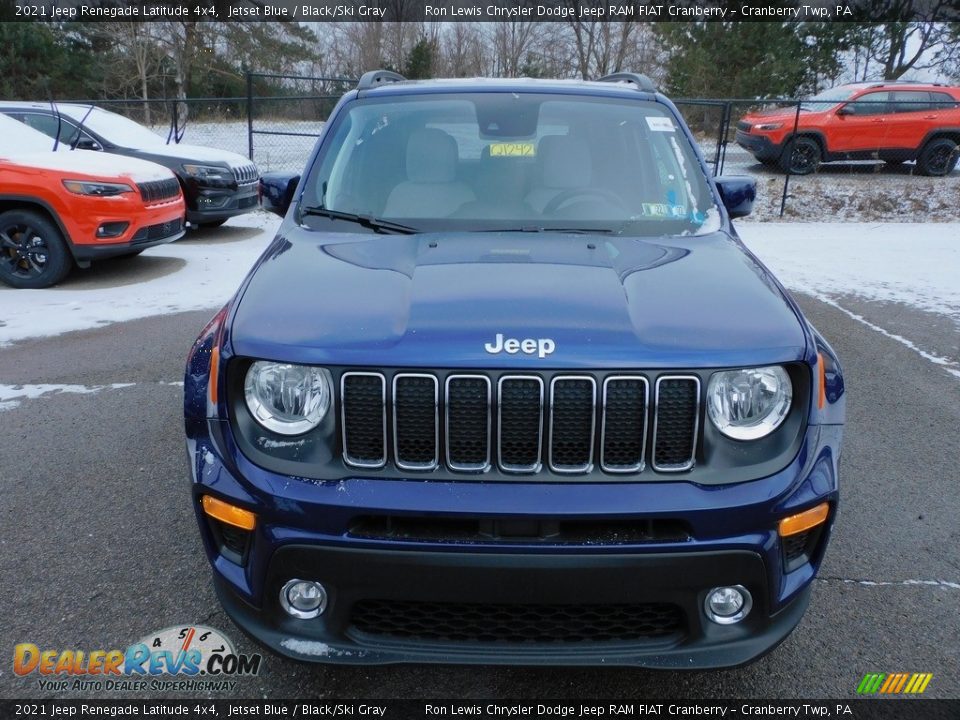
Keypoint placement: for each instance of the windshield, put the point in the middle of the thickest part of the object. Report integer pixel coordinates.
(828, 98)
(16, 138)
(512, 161)
(116, 129)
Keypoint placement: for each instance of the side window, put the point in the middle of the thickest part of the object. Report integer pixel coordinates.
(47, 124)
(943, 101)
(875, 103)
(911, 101)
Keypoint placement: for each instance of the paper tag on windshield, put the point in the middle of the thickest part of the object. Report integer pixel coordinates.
(659, 123)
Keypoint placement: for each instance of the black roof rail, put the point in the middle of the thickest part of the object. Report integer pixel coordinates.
(641, 81)
(374, 78)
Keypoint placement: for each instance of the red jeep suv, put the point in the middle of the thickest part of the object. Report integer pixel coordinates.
(890, 121)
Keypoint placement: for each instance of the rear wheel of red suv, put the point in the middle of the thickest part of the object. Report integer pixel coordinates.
(938, 157)
(801, 156)
(33, 253)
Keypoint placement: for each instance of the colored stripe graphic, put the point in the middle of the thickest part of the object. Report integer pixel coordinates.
(894, 683)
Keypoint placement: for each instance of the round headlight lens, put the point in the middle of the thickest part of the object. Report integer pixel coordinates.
(285, 398)
(751, 403)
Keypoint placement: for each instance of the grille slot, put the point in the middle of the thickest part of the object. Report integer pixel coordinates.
(573, 401)
(676, 422)
(624, 435)
(520, 423)
(467, 422)
(416, 432)
(155, 191)
(517, 624)
(364, 419)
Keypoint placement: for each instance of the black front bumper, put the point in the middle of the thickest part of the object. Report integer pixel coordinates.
(205, 205)
(759, 146)
(574, 579)
(145, 238)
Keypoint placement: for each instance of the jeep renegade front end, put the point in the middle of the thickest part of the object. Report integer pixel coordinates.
(507, 388)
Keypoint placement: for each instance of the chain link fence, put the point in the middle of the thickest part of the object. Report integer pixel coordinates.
(279, 120)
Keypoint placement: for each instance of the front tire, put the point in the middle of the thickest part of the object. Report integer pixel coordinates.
(33, 253)
(938, 157)
(802, 156)
(211, 224)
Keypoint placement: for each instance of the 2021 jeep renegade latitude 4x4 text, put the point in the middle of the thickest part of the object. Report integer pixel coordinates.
(507, 388)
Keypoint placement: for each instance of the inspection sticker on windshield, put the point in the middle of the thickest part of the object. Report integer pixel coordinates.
(514, 149)
(659, 123)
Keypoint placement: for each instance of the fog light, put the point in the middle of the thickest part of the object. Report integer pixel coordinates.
(728, 605)
(303, 599)
(112, 229)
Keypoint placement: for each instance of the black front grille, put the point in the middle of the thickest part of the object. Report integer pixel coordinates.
(156, 191)
(416, 433)
(362, 397)
(471, 422)
(676, 423)
(520, 423)
(160, 231)
(517, 624)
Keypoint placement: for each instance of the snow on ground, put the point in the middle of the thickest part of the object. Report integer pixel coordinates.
(208, 277)
(913, 263)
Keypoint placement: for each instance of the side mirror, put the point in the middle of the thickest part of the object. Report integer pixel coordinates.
(846, 110)
(89, 144)
(738, 193)
(276, 191)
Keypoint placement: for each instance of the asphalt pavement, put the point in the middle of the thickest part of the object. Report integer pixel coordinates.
(98, 543)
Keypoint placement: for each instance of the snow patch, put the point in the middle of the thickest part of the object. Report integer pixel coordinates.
(944, 584)
(9, 405)
(211, 275)
(274, 444)
(32, 392)
(310, 647)
(912, 263)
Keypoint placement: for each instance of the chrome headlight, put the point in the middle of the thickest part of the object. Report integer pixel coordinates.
(751, 403)
(287, 399)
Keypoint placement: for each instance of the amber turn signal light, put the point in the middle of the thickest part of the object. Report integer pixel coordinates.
(229, 514)
(804, 521)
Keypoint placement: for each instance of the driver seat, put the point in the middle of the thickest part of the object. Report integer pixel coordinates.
(563, 163)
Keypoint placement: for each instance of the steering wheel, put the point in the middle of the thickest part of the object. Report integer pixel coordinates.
(567, 195)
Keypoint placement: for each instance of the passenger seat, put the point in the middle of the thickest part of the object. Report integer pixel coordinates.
(431, 188)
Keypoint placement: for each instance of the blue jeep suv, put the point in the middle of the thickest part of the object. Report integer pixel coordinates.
(506, 387)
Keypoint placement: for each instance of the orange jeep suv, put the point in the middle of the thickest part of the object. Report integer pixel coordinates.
(60, 209)
(890, 121)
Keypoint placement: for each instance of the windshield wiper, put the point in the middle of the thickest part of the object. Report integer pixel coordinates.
(367, 221)
(540, 229)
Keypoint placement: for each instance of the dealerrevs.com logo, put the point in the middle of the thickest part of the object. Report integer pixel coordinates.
(178, 658)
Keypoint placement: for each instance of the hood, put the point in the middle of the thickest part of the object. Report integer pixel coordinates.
(102, 166)
(438, 299)
(193, 153)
